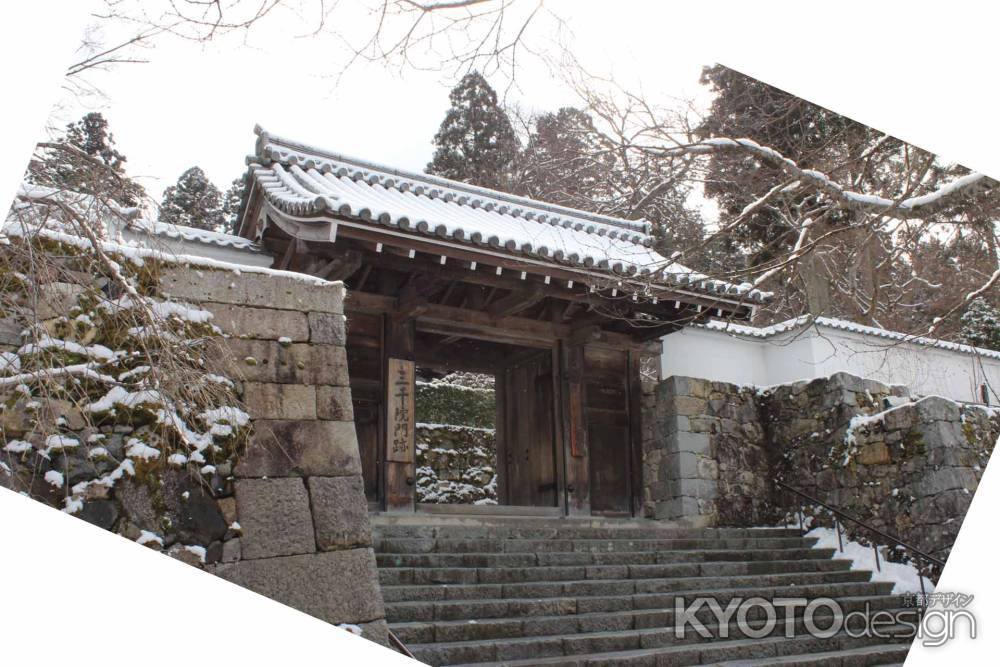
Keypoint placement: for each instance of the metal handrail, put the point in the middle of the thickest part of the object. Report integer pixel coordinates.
(841, 514)
(399, 645)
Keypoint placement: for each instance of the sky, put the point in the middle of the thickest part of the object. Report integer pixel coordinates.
(197, 104)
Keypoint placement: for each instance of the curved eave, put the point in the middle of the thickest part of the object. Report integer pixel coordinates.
(318, 227)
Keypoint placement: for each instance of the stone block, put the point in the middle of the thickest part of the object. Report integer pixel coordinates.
(700, 489)
(679, 508)
(936, 408)
(682, 465)
(688, 406)
(376, 631)
(698, 443)
(846, 381)
(296, 363)
(57, 298)
(266, 323)
(903, 417)
(340, 512)
(265, 290)
(228, 508)
(334, 586)
(269, 400)
(232, 551)
(874, 453)
(10, 331)
(284, 448)
(327, 328)
(334, 403)
(275, 517)
(688, 386)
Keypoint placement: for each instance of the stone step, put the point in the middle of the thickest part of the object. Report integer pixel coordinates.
(516, 625)
(426, 612)
(520, 560)
(656, 646)
(562, 529)
(418, 545)
(553, 573)
(396, 591)
(732, 652)
(878, 654)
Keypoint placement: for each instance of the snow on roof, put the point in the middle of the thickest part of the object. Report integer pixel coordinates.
(842, 325)
(127, 227)
(193, 235)
(304, 181)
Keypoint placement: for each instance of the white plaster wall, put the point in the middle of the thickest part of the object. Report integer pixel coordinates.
(822, 351)
(700, 353)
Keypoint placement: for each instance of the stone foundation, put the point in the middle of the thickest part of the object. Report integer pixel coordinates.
(704, 459)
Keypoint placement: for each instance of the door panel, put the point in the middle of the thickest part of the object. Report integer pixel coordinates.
(528, 434)
(606, 408)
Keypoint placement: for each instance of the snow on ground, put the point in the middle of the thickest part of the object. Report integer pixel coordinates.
(903, 575)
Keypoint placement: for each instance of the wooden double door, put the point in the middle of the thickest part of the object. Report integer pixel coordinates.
(567, 427)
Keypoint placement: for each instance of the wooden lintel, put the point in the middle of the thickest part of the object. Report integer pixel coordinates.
(452, 321)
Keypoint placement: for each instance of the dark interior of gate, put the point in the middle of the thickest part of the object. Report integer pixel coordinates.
(557, 305)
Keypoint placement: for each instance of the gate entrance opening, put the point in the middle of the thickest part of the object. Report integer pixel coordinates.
(556, 304)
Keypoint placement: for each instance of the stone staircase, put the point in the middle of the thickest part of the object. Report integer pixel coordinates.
(588, 593)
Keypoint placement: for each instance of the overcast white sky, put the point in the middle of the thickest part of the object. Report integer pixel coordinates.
(197, 104)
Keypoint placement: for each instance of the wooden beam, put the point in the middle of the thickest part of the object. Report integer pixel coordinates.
(295, 247)
(514, 303)
(410, 303)
(347, 268)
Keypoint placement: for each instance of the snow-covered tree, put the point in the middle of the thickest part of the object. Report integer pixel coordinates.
(231, 201)
(94, 156)
(193, 202)
(476, 142)
(981, 325)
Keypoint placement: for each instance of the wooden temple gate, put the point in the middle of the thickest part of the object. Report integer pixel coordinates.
(556, 304)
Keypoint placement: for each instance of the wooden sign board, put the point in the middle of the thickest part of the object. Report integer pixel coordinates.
(400, 414)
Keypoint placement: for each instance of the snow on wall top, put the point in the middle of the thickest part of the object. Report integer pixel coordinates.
(842, 325)
(302, 180)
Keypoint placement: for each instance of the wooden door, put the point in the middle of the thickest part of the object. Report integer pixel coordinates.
(607, 416)
(528, 436)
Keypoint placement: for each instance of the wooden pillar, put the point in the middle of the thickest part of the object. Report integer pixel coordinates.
(399, 368)
(635, 430)
(575, 431)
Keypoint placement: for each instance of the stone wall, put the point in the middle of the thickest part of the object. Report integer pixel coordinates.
(274, 500)
(456, 440)
(456, 464)
(906, 465)
(297, 492)
(704, 459)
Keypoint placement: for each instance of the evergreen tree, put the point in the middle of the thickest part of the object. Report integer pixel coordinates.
(101, 172)
(193, 202)
(476, 142)
(981, 325)
(231, 201)
(567, 162)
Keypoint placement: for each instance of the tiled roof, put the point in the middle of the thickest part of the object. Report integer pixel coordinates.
(842, 325)
(307, 182)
